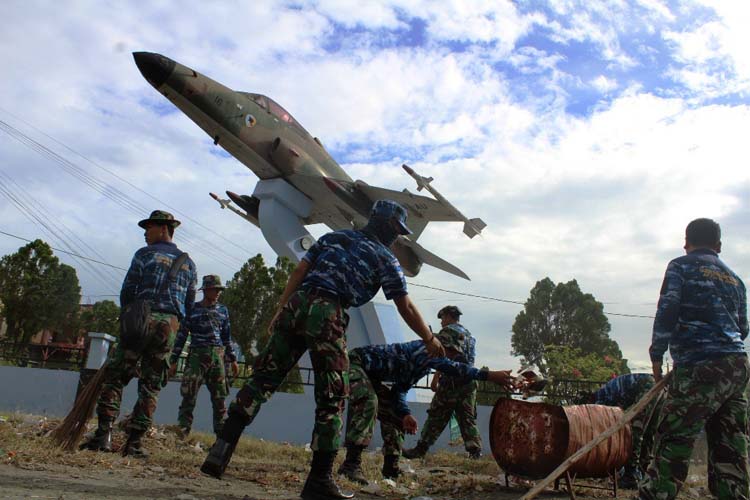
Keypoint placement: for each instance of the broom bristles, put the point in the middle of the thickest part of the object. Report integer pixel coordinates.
(72, 428)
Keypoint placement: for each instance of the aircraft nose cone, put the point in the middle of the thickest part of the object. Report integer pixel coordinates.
(154, 67)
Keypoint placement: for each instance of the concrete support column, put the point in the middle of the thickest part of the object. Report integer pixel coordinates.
(98, 349)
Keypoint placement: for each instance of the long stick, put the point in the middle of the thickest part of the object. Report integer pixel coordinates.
(629, 415)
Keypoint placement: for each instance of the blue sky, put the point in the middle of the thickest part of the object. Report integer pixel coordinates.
(586, 134)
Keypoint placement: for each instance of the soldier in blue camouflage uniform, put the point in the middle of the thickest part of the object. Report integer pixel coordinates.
(452, 395)
(623, 392)
(148, 270)
(210, 347)
(343, 269)
(702, 319)
(402, 365)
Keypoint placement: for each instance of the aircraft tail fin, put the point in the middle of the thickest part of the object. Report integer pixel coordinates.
(474, 227)
(429, 258)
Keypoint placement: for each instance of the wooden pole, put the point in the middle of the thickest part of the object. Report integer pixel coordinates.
(629, 415)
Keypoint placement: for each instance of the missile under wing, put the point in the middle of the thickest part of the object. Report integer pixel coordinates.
(266, 138)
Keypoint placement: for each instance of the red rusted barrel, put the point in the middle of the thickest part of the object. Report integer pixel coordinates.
(532, 439)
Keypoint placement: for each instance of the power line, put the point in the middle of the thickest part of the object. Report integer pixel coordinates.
(130, 204)
(509, 301)
(186, 216)
(114, 194)
(66, 252)
(444, 290)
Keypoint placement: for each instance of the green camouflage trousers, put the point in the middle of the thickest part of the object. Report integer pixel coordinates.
(643, 429)
(451, 397)
(150, 365)
(311, 323)
(203, 365)
(711, 393)
(369, 400)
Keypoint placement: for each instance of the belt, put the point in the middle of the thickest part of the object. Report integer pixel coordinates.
(325, 294)
(162, 311)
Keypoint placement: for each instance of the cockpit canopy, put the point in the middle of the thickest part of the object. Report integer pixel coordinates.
(275, 109)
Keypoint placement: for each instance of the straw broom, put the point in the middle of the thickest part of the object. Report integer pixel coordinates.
(72, 428)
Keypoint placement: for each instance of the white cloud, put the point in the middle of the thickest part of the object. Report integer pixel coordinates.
(716, 61)
(602, 198)
(604, 84)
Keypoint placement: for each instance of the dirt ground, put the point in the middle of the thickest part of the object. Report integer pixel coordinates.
(32, 467)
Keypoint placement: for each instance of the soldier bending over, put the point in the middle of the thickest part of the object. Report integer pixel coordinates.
(402, 365)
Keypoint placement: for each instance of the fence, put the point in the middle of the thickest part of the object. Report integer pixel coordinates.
(66, 357)
(558, 391)
(55, 356)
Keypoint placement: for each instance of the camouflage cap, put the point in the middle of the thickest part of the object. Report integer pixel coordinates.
(160, 217)
(452, 340)
(389, 209)
(212, 281)
(453, 311)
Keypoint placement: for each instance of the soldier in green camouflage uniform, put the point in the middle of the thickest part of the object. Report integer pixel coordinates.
(702, 319)
(342, 269)
(623, 392)
(452, 395)
(208, 327)
(146, 279)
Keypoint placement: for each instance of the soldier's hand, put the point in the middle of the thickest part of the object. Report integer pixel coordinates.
(656, 370)
(434, 348)
(409, 423)
(172, 370)
(272, 324)
(235, 369)
(502, 378)
(435, 382)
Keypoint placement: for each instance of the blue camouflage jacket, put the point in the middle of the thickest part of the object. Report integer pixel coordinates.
(702, 311)
(470, 342)
(353, 265)
(149, 269)
(404, 364)
(468, 356)
(207, 326)
(624, 391)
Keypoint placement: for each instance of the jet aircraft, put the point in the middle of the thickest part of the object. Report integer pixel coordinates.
(265, 137)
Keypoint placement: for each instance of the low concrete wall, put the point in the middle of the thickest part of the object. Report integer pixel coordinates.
(285, 418)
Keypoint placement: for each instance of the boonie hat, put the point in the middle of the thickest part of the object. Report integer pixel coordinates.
(212, 281)
(452, 340)
(389, 209)
(451, 310)
(160, 217)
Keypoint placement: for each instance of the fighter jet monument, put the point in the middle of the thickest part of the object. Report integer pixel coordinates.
(300, 184)
(294, 168)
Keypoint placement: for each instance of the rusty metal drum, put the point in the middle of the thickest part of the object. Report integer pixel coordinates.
(532, 439)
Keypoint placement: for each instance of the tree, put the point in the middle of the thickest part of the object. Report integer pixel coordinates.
(252, 296)
(103, 317)
(561, 315)
(37, 292)
(568, 363)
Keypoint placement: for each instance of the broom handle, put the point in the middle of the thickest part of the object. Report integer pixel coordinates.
(629, 415)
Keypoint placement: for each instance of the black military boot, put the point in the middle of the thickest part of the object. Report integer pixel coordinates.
(631, 476)
(102, 438)
(474, 453)
(390, 467)
(133, 446)
(418, 451)
(352, 466)
(221, 452)
(319, 484)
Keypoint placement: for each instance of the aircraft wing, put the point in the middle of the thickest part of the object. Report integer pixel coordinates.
(427, 257)
(422, 209)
